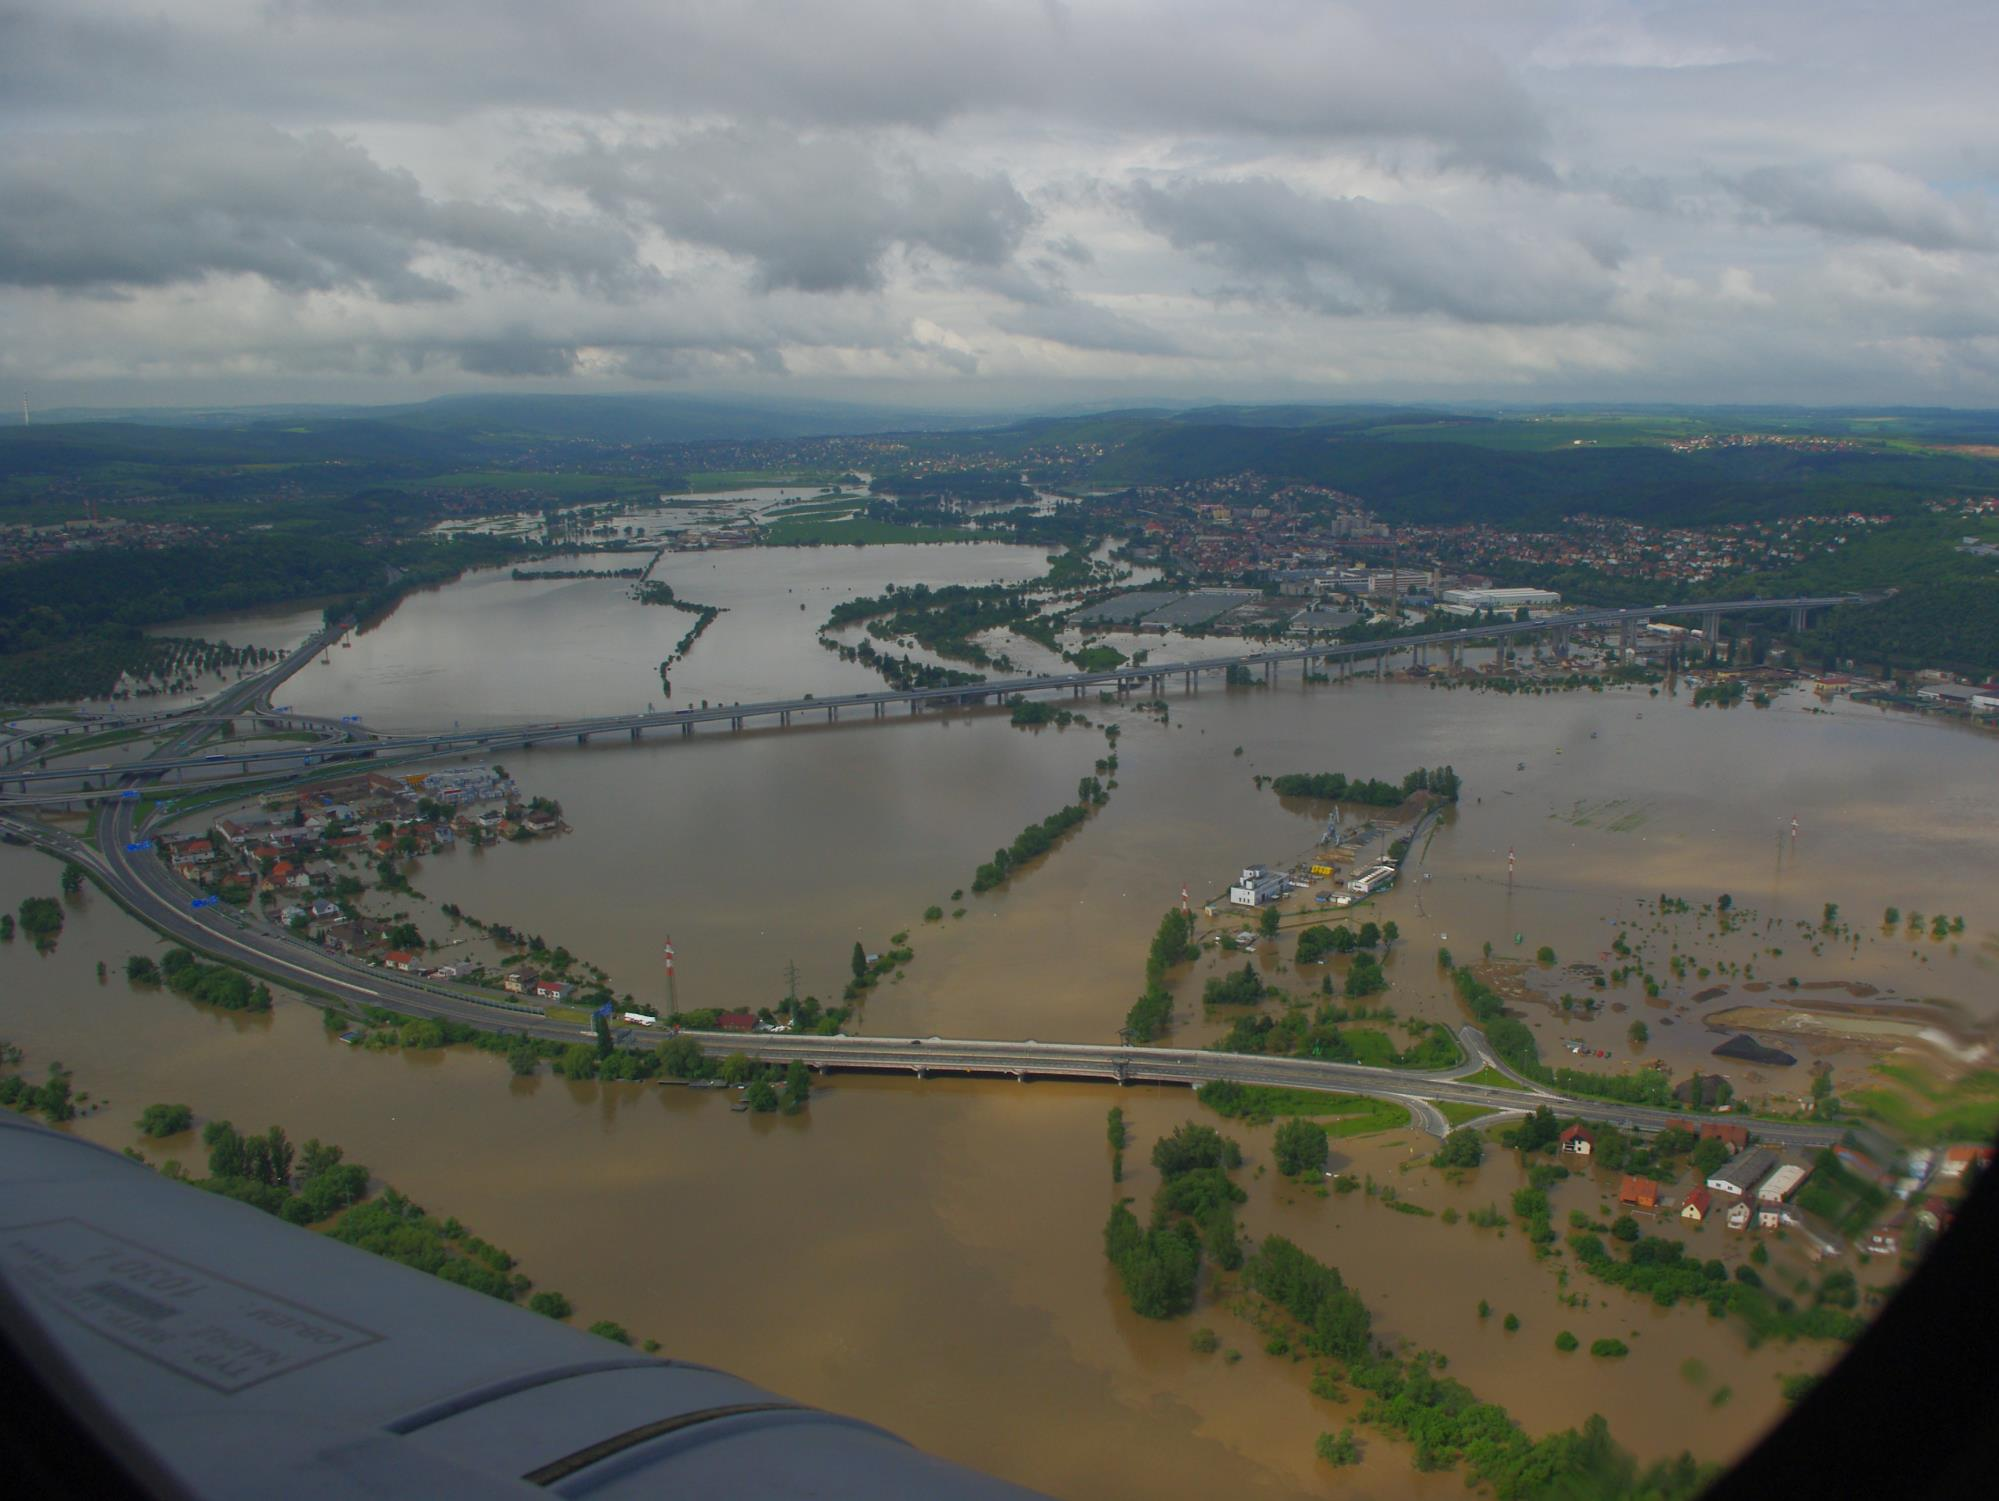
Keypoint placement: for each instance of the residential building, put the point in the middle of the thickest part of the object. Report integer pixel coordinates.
(1735, 1138)
(399, 959)
(1641, 1193)
(1696, 1204)
(550, 989)
(737, 1021)
(520, 981)
(1738, 1217)
(1578, 1139)
(1960, 1160)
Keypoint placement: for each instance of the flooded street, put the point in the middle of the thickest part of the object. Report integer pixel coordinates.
(929, 1255)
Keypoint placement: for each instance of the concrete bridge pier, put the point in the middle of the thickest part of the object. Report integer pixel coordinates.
(1380, 665)
(635, 733)
(735, 721)
(1625, 628)
(1800, 618)
(1269, 673)
(1561, 634)
(582, 739)
(1159, 685)
(784, 718)
(1711, 629)
(686, 727)
(832, 713)
(880, 710)
(1189, 685)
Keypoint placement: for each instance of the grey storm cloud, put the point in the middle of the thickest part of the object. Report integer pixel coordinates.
(1294, 69)
(1352, 256)
(1867, 201)
(816, 214)
(306, 213)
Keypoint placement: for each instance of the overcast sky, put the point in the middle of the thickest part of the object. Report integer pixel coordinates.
(983, 203)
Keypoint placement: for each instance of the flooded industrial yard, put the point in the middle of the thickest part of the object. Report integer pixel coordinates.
(928, 1255)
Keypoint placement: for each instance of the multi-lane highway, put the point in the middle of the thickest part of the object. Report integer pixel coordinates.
(140, 882)
(179, 759)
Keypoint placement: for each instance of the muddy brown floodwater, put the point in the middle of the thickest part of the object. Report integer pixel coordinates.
(928, 1255)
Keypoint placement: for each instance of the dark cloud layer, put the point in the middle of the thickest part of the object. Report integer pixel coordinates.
(308, 213)
(816, 214)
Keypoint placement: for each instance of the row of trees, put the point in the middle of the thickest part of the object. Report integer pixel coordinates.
(1443, 1419)
(1037, 838)
(1337, 786)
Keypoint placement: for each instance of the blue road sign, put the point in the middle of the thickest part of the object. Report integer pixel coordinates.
(137, 846)
(603, 1010)
(350, 718)
(130, 795)
(204, 901)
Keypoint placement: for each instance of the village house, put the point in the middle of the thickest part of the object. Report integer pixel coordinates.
(324, 910)
(1735, 1138)
(1696, 1204)
(737, 1021)
(1641, 1193)
(1960, 1160)
(551, 989)
(399, 959)
(520, 981)
(1738, 1217)
(1578, 1139)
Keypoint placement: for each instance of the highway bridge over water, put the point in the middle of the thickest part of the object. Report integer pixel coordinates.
(347, 740)
(138, 880)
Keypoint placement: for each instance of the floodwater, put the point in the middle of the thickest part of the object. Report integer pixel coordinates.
(755, 849)
(875, 1256)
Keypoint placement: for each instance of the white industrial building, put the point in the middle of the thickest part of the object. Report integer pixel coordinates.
(1781, 1184)
(1257, 887)
(1743, 1174)
(1504, 601)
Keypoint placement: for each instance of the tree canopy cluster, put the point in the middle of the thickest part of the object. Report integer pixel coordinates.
(1337, 786)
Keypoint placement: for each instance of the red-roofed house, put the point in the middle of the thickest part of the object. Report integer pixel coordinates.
(1642, 1192)
(737, 1021)
(1959, 1160)
(399, 959)
(1578, 1139)
(1735, 1138)
(1695, 1206)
